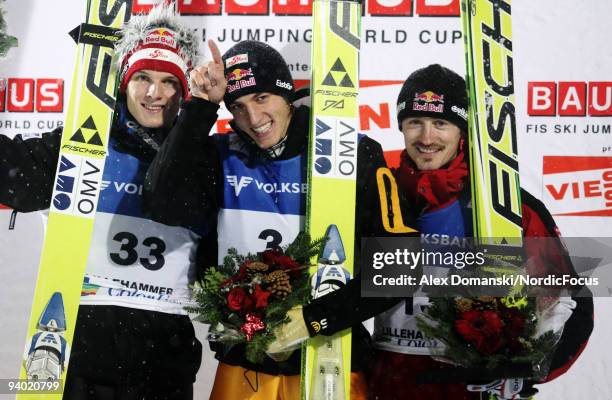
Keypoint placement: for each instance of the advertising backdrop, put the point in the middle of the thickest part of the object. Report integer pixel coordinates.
(563, 84)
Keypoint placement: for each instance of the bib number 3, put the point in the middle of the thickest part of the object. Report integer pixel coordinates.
(273, 239)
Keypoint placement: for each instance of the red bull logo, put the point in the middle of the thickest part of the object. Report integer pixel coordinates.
(428, 98)
(239, 73)
(162, 36)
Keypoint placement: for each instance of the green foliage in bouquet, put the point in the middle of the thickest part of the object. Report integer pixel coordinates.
(6, 41)
(247, 297)
(487, 332)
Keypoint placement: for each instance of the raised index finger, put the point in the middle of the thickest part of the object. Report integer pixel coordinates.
(214, 50)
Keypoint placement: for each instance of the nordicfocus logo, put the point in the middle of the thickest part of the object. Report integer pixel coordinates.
(239, 183)
(577, 99)
(77, 187)
(404, 8)
(578, 186)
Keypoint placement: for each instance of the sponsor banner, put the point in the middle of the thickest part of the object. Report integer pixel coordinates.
(29, 105)
(283, 8)
(77, 187)
(578, 186)
(569, 99)
(335, 148)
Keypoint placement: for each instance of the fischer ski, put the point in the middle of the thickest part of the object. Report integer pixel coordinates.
(494, 170)
(332, 173)
(75, 195)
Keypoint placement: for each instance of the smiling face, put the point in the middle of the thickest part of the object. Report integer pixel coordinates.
(430, 142)
(153, 98)
(264, 117)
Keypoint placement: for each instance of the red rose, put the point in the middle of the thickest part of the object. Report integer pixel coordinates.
(261, 297)
(239, 300)
(269, 256)
(273, 257)
(286, 262)
(240, 275)
(514, 327)
(482, 328)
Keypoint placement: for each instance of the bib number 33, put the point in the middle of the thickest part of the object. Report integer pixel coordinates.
(128, 252)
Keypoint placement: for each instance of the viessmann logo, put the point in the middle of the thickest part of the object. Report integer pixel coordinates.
(578, 186)
(239, 183)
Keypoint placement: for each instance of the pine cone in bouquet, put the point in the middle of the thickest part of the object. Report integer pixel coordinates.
(256, 267)
(278, 283)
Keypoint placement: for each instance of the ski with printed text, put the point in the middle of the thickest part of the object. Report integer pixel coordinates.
(332, 173)
(75, 196)
(494, 169)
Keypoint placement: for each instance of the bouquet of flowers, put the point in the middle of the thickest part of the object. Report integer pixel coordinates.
(492, 333)
(248, 296)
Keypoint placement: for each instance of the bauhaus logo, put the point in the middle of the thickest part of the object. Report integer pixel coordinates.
(42, 95)
(578, 186)
(576, 98)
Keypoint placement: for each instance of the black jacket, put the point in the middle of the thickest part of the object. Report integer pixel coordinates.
(346, 307)
(112, 345)
(185, 184)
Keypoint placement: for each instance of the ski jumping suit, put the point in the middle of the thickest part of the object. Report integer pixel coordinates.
(133, 339)
(261, 203)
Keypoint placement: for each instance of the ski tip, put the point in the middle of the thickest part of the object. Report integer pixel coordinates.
(53, 318)
(333, 250)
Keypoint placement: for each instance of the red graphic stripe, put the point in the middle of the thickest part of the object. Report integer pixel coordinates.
(393, 158)
(561, 164)
(372, 83)
(595, 213)
(2, 206)
(301, 83)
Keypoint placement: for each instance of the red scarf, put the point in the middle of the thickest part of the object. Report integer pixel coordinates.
(432, 189)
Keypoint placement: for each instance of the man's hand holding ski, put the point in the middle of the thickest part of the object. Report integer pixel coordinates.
(289, 336)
